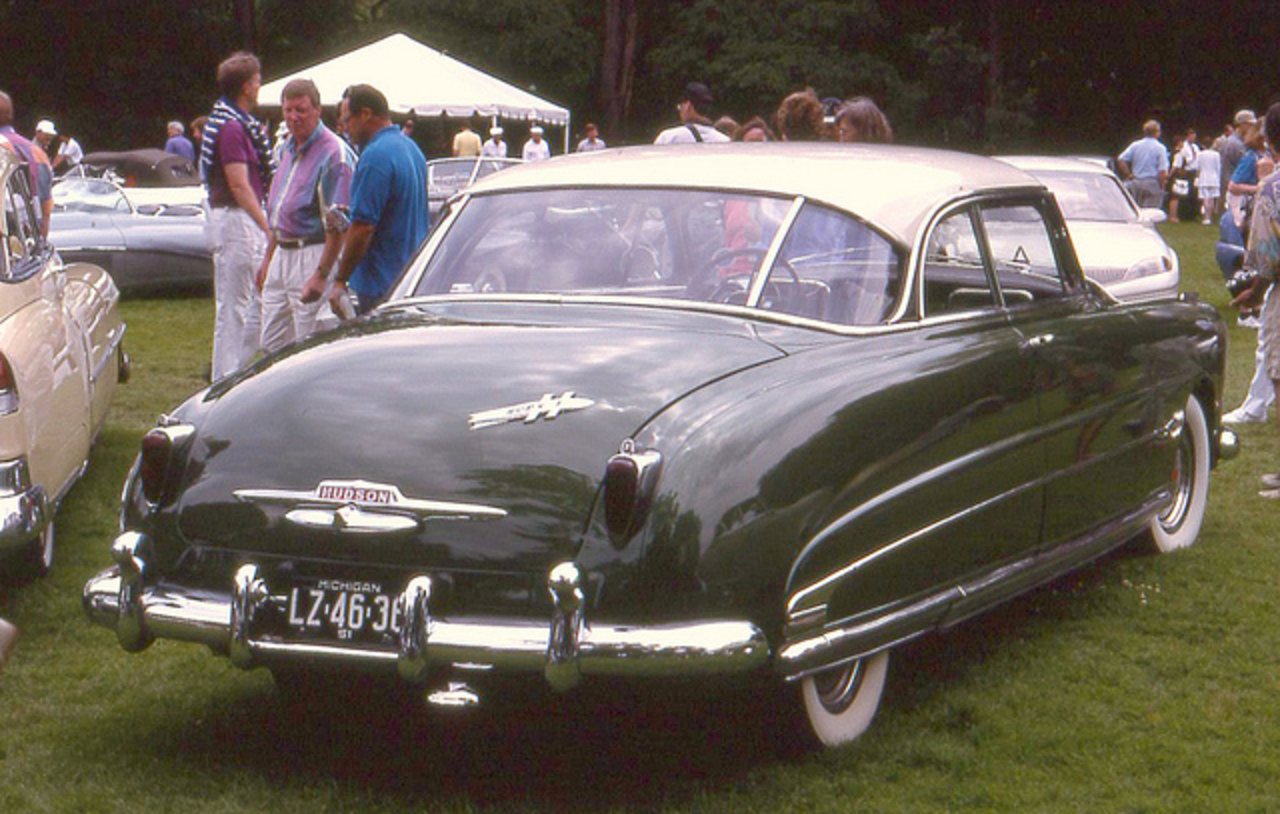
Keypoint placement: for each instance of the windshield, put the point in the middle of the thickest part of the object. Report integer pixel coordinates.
(1089, 196)
(89, 195)
(447, 176)
(671, 244)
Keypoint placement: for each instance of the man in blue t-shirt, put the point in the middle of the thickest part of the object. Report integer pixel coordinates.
(389, 217)
(1145, 165)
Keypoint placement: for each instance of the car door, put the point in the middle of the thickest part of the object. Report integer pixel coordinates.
(1098, 414)
(946, 486)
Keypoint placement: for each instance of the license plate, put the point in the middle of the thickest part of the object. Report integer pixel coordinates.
(343, 610)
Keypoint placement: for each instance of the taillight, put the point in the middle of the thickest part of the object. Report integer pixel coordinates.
(630, 480)
(162, 449)
(8, 387)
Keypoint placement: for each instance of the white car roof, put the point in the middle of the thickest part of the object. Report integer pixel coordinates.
(892, 186)
(1051, 163)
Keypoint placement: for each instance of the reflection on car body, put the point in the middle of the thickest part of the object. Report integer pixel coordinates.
(678, 418)
(61, 355)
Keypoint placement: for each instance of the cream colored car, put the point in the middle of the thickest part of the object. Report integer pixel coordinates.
(60, 360)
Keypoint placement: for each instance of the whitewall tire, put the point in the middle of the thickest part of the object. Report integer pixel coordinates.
(1178, 525)
(841, 702)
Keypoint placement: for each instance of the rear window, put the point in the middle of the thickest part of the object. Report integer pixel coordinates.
(670, 244)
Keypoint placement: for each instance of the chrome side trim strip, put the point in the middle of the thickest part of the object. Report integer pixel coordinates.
(816, 653)
(753, 315)
(117, 336)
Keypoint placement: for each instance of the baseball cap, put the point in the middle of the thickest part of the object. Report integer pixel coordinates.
(495, 131)
(535, 129)
(699, 94)
(46, 126)
(1246, 116)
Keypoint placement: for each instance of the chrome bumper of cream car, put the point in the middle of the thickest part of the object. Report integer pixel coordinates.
(565, 647)
(24, 508)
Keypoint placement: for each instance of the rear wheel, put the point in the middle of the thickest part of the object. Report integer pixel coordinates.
(1178, 525)
(841, 702)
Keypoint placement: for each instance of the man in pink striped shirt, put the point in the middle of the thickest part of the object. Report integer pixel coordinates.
(308, 209)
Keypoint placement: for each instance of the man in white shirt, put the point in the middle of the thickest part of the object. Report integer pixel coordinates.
(694, 127)
(494, 146)
(535, 149)
(68, 154)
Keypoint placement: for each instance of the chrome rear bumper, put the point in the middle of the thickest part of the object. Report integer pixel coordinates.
(24, 507)
(564, 648)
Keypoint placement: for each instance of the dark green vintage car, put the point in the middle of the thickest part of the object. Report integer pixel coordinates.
(753, 410)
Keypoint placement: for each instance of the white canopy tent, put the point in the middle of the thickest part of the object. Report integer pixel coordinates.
(421, 80)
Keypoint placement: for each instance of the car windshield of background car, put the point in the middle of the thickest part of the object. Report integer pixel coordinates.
(673, 244)
(447, 177)
(1089, 196)
(89, 195)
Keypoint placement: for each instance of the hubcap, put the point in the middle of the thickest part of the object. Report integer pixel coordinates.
(838, 686)
(1183, 471)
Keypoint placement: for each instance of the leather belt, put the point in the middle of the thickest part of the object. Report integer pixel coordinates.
(298, 243)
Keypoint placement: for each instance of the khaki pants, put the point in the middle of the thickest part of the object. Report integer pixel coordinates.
(285, 317)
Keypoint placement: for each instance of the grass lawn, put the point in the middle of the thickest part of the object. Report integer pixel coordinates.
(1140, 683)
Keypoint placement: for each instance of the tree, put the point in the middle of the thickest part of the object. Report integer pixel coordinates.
(540, 45)
(752, 57)
(617, 61)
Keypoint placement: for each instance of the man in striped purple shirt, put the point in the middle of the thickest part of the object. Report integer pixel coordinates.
(308, 209)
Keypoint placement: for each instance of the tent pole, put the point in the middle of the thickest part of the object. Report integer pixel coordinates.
(567, 131)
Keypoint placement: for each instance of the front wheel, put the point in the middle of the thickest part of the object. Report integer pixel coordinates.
(841, 702)
(1179, 524)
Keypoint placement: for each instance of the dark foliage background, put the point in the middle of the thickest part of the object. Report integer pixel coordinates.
(990, 75)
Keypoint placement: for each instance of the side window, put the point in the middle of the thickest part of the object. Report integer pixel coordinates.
(1022, 253)
(835, 268)
(955, 278)
(20, 223)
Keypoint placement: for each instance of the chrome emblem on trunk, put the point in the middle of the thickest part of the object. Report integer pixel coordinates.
(362, 507)
(549, 407)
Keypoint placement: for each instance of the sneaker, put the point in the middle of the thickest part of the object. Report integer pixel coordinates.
(1249, 322)
(1270, 494)
(1271, 480)
(1239, 416)
(8, 635)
